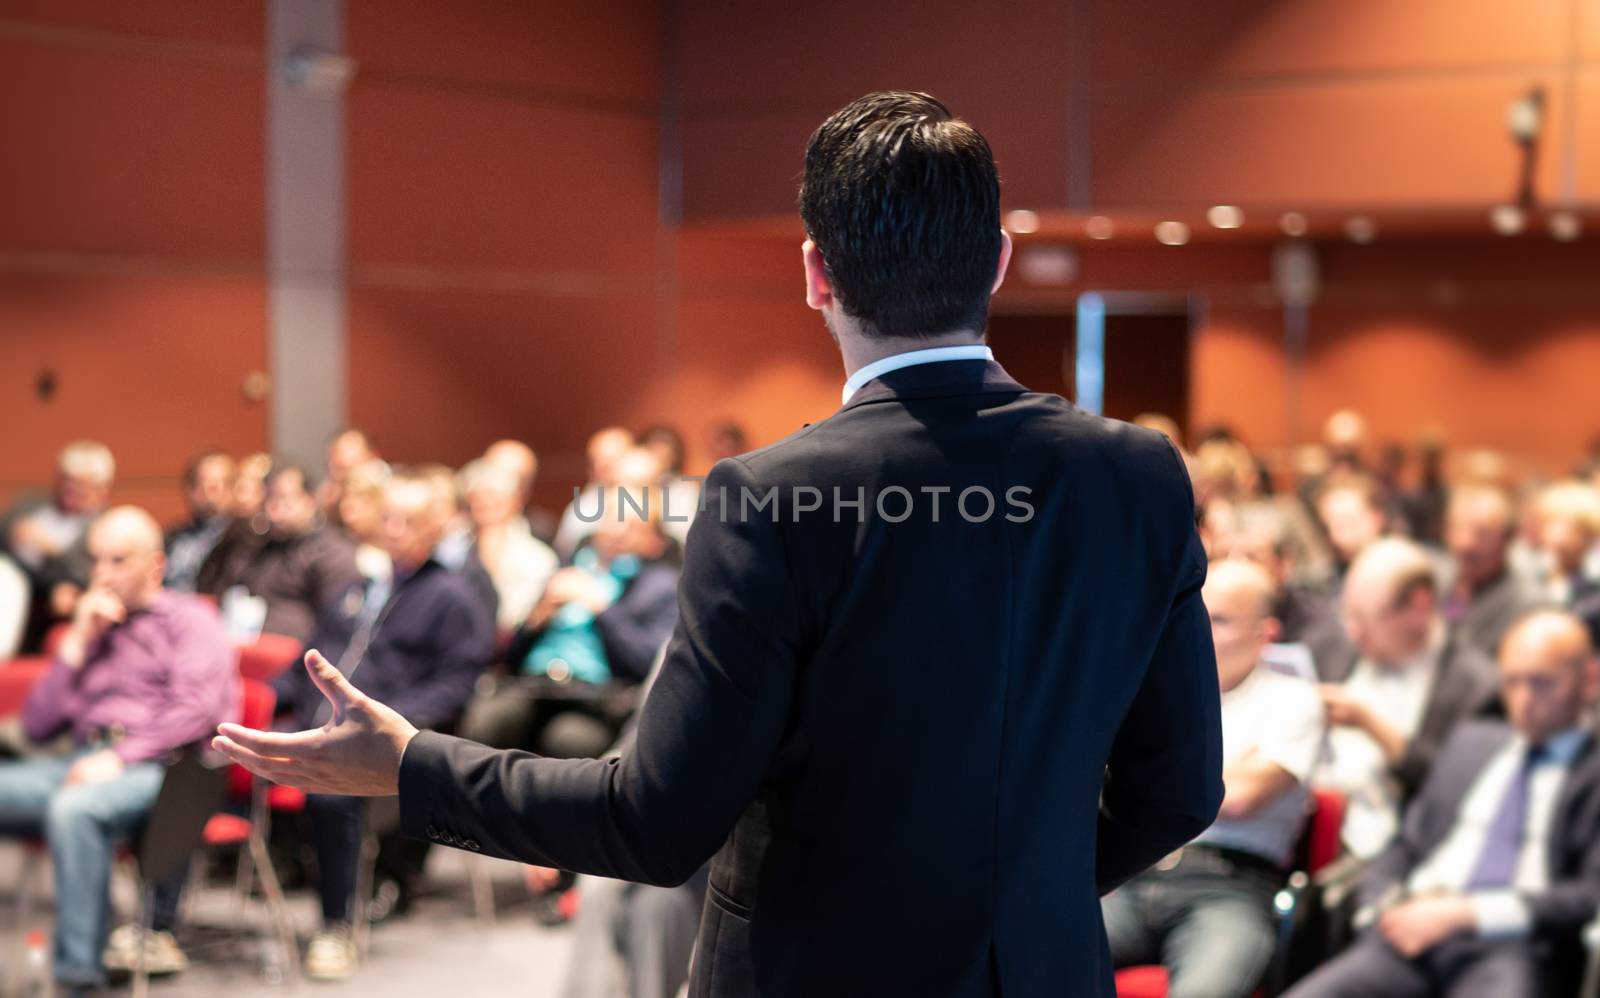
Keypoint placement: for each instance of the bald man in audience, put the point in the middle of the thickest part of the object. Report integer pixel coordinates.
(606, 448)
(1205, 912)
(46, 535)
(1486, 891)
(1482, 595)
(519, 459)
(1569, 548)
(1397, 693)
(142, 670)
(422, 637)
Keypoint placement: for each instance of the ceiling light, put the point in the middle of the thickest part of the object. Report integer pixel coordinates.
(1508, 219)
(1022, 221)
(1172, 233)
(1361, 229)
(1099, 227)
(1565, 225)
(1225, 216)
(1293, 224)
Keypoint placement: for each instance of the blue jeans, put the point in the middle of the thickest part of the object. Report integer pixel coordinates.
(1214, 934)
(82, 825)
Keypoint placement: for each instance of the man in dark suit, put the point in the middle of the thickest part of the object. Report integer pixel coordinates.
(1486, 889)
(942, 674)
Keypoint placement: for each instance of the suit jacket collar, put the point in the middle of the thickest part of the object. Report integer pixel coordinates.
(951, 377)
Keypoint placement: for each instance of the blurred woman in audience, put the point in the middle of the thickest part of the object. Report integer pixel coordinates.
(361, 513)
(519, 563)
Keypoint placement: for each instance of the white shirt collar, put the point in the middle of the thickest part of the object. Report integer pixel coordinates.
(894, 362)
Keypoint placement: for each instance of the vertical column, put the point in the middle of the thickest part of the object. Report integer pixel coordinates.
(306, 78)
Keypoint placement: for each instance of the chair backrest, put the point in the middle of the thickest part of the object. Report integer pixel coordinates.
(1327, 821)
(255, 711)
(268, 655)
(191, 792)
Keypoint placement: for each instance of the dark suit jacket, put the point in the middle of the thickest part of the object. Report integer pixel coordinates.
(1571, 900)
(924, 749)
(1465, 686)
(429, 645)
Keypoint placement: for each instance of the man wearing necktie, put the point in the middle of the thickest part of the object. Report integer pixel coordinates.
(1487, 887)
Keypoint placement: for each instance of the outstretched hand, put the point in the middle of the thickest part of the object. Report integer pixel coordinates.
(356, 753)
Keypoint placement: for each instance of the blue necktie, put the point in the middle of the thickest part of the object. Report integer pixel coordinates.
(1497, 867)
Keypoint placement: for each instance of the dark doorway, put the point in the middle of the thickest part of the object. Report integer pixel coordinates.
(1147, 366)
(1037, 350)
(1138, 341)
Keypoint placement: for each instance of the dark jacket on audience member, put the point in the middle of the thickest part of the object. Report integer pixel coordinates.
(1492, 611)
(924, 749)
(1573, 895)
(429, 643)
(297, 575)
(633, 628)
(1466, 685)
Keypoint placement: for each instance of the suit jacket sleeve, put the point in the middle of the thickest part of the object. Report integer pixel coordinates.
(707, 731)
(1163, 782)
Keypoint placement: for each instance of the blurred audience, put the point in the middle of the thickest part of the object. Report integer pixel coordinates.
(605, 448)
(47, 535)
(517, 562)
(1393, 699)
(1206, 911)
(208, 488)
(276, 580)
(348, 450)
(1352, 513)
(417, 642)
(680, 496)
(598, 624)
(1482, 595)
(141, 671)
(725, 439)
(520, 459)
(361, 513)
(1485, 891)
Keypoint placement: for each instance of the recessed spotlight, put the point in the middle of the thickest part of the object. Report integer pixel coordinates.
(1099, 227)
(1293, 224)
(1022, 221)
(1225, 216)
(1361, 229)
(1172, 233)
(1565, 226)
(1508, 219)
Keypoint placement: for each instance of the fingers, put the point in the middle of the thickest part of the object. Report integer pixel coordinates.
(330, 681)
(264, 766)
(289, 744)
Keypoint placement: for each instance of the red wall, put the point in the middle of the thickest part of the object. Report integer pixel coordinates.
(130, 235)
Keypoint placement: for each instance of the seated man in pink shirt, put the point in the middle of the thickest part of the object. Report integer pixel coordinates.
(142, 671)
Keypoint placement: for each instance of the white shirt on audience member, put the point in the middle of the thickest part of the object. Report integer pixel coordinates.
(1356, 765)
(1279, 718)
(1501, 913)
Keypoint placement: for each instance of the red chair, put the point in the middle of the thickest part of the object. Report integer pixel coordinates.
(16, 682)
(226, 830)
(268, 655)
(1319, 846)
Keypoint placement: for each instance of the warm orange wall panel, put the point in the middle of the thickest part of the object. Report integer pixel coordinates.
(153, 366)
(597, 50)
(106, 152)
(1234, 38)
(1400, 143)
(465, 181)
(208, 22)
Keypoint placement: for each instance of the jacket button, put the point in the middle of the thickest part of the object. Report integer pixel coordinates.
(472, 844)
(432, 833)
